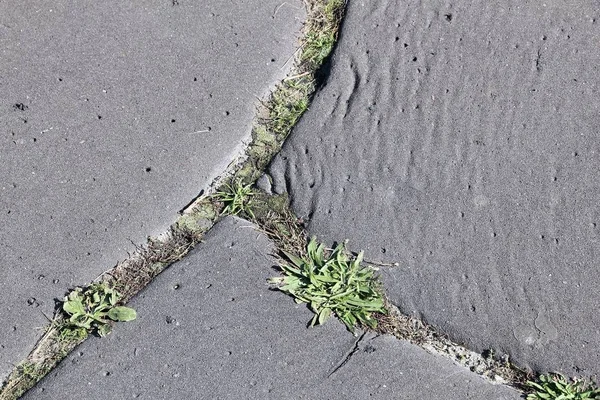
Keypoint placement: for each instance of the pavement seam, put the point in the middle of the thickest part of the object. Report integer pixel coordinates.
(133, 274)
(203, 212)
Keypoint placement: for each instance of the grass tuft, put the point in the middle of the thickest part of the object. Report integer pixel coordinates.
(332, 284)
(236, 198)
(322, 32)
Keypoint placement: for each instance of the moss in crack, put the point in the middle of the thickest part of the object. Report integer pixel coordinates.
(291, 98)
(275, 119)
(49, 351)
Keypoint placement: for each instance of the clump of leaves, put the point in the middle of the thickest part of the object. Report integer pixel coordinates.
(92, 309)
(332, 284)
(557, 387)
(236, 197)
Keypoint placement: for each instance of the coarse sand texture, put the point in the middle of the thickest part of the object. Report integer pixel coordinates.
(462, 141)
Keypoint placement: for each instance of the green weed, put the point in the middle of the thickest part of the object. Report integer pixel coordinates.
(557, 387)
(92, 309)
(236, 197)
(332, 284)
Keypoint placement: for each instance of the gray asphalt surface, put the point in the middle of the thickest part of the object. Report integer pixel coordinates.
(461, 141)
(113, 116)
(211, 328)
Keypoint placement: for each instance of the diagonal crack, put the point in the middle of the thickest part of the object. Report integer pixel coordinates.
(355, 348)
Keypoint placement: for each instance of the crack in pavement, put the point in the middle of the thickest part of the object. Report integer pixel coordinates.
(355, 348)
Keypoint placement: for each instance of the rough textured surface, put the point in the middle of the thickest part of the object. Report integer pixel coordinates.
(209, 328)
(98, 108)
(385, 368)
(461, 140)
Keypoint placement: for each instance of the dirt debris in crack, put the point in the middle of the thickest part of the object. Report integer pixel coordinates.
(274, 121)
(488, 365)
(273, 216)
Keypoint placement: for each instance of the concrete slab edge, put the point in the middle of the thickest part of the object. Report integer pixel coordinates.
(279, 112)
(268, 134)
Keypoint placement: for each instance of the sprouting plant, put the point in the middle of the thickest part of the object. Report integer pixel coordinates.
(92, 309)
(287, 105)
(332, 285)
(236, 198)
(320, 39)
(557, 387)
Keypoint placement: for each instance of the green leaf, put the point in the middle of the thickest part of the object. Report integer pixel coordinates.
(359, 258)
(314, 320)
(312, 247)
(325, 278)
(324, 315)
(122, 314)
(73, 307)
(114, 297)
(349, 320)
(369, 304)
(81, 321)
(297, 261)
(345, 293)
(104, 330)
(314, 306)
(291, 270)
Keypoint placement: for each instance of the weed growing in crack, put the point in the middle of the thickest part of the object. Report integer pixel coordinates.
(92, 309)
(557, 387)
(236, 198)
(288, 103)
(281, 111)
(332, 284)
(322, 34)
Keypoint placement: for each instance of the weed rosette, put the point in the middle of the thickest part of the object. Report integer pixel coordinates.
(332, 284)
(92, 309)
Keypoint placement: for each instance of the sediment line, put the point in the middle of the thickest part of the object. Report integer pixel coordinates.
(274, 120)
